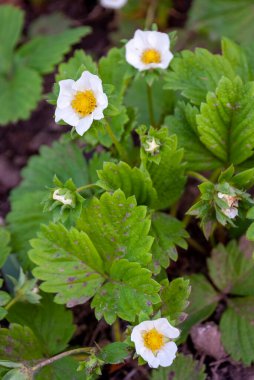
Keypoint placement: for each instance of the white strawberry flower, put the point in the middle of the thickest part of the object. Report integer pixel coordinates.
(113, 4)
(149, 50)
(80, 102)
(153, 342)
(232, 202)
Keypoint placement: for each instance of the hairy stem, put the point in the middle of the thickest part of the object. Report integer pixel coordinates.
(86, 187)
(150, 105)
(150, 14)
(121, 150)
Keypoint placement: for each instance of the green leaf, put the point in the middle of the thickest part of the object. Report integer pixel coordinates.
(237, 332)
(194, 74)
(183, 124)
(65, 368)
(71, 68)
(18, 343)
(96, 163)
(183, 368)
(51, 323)
(168, 176)
(4, 244)
(43, 53)
(225, 122)
(232, 270)
(26, 214)
(114, 353)
(11, 24)
(132, 181)
(129, 291)
(167, 232)
(174, 296)
(118, 228)
(20, 93)
(4, 298)
(202, 303)
(223, 18)
(19, 374)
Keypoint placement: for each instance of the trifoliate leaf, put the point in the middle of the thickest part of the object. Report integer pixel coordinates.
(223, 18)
(20, 93)
(194, 74)
(174, 296)
(51, 323)
(168, 176)
(168, 232)
(129, 291)
(132, 181)
(232, 270)
(225, 122)
(114, 353)
(237, 331)
(183, 124)
(183, 368)
(43, 53)
(26, 200)
(4, 245)
(202, 303)
(118, 228)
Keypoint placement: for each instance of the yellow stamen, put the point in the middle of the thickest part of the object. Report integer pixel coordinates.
(151, 56)
(84, 103)
(153, 340)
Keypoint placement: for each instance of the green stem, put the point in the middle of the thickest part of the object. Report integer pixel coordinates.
(86, 187)
(13, 301)
(150, 15)
(76, 351)
(198, 176)
(121, 150)
(150, 105)
(117, 331)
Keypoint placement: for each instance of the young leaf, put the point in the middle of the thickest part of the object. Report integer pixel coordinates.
(43, 53)
(225, 122)
(26, 200)
(174, 296)
(167, 232)
(194, 74)
(183, 368)
(20, 93)
(232, 270)
(117, 228)
(132, 181)
(114, 353)
(183, 124)
(51, 323)
(237, 332)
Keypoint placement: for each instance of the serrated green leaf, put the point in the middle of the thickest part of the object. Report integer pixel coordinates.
(194, 74)
(114, 353)
(51, 323)
(174, 296)
(129, 291)
(168, 232)
(117, 228)
(65, 368)
(183, 368)
(20, 93)
(27, 214)
(223, 18)
(225, 121)
(232, 270)
(203, 301)
(237, 335)
(70, 69)
(168, 176)
(183, 124)
(4, 245)
(43, 53)
(19, 343)
(132, 181)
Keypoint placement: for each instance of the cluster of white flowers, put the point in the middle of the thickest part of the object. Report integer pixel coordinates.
(232, 210)
(82, 101)
(153, 342)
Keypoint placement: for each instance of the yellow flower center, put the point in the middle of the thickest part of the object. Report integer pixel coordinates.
(153, 340)
(84, 103)
(151, 56)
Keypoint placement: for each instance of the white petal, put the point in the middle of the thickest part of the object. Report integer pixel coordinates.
(166, 57)
(98, 113)
(151, 359)
(113, 4)
(102, 100)
(68, 115)
(167, 354)
(66, 93)
(158, 40)
(165, 328)
(86, 81)
(230, 212)
(133, 54)
(84, 124)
